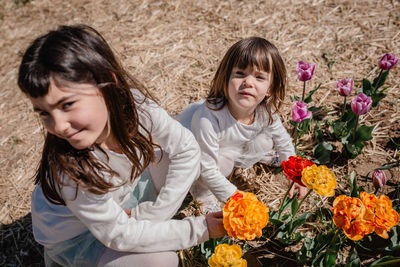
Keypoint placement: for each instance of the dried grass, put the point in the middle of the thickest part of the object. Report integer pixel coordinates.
(174, 48)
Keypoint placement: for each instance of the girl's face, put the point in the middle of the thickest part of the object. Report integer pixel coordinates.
(246, 89)
(75, 112)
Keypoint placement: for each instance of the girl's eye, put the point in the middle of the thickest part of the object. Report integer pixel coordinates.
(67, 105)
(43, 113)
(261, 77)
(240, 73)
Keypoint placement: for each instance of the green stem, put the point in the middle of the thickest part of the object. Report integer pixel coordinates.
(379, 79)
(344, 105)
(284, 199)
(355, 128)
(304, 91)
(334, 237)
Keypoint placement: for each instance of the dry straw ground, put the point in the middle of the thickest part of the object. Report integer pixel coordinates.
(174, 47)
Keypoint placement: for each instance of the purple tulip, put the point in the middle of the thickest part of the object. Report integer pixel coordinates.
(305, 70)
(300, 111)
(388, 61)
(379, 178)
(361, 104)
(345, 86)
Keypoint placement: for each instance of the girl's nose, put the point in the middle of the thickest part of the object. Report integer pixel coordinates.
(60, 125)
(248, 81)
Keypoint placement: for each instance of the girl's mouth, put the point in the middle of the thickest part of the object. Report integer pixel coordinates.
(245, 94)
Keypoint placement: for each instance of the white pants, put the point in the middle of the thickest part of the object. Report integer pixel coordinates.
(112, 258)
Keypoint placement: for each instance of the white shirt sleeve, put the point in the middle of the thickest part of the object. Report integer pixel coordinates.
(205, 128)
(108, 222)
(184, 167)
(282, 140)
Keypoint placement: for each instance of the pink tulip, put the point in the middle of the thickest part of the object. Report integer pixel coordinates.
(379, 178)
(361, 104)
(305, 70)
(300, 111)
(345, 86)
(388, 61)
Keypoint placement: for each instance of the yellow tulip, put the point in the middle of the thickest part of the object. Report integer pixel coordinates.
(227, 256)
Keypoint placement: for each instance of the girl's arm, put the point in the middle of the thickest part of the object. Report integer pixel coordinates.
(184, 155)
(282, 140)
(109, 223)
(205, 128)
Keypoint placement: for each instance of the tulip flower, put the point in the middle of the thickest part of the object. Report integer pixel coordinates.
(244, 216)
(388, 61)
(344, 87)
(379, 179)
(300, 111)
(361, 104)
(227, 255)
(305, 71)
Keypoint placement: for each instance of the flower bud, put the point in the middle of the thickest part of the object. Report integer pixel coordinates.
(361, 104)
(345, 86)
(388, 61)
(379, 178)
(300, 111)
(305, 70)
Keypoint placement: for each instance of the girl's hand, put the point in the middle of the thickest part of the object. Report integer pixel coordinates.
(302, 191)
(215, 225)
(129, 212)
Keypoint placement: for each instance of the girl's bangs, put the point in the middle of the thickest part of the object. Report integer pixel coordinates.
(253, 57)
(36, 84)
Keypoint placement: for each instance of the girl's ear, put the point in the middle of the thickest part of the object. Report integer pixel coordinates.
(115, 78)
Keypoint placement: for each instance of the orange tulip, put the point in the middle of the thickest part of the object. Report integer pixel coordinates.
(359, 217)
(346, 209)
(385, 216)
(244, 216)
(359, 228)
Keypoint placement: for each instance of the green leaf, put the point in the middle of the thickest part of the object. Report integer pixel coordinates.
(294, 206)
(299, 221)
(388, 167)
(314, 109)
(346, 139)
(366, 87)
(386, 261)
(317, 132)
(376, 97)
(308, 99)
(382, 80)
(340, 129)
(322, 152)
(364, 133)
(354, 149)
(353, 260)
(331, 256)
(353, 184)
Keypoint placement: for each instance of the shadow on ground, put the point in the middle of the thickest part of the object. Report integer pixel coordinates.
(17, 245)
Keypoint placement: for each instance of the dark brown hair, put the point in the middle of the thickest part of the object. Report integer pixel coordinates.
(80, 54)
(253, 51)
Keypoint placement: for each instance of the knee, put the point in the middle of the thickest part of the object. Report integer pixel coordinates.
(167, 259)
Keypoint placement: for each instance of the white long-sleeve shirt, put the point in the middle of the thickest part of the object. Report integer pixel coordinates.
(150, 228)
(219, 135)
